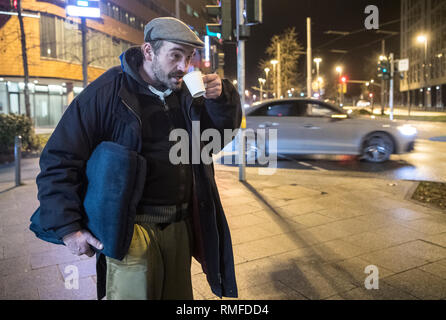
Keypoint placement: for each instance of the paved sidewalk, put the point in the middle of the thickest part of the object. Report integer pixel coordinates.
(296, 235)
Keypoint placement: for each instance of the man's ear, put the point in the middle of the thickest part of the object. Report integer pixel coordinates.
(147, 51)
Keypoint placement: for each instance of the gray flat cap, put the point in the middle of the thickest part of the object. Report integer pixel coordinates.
(171, 29)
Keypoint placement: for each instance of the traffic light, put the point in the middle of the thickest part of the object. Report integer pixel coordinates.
(254, 13)
(343, 79)
(222, 13)
(384, 69)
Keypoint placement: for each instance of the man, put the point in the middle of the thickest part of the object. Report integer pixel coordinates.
(137, 105)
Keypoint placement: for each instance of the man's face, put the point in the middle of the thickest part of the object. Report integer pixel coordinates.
(171, 64)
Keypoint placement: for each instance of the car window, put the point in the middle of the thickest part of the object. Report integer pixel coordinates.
(277, 110)
(319, 110)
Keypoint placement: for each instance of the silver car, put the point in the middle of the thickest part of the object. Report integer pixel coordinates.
(307, 126)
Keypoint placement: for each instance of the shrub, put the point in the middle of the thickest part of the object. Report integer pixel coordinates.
(12, 125)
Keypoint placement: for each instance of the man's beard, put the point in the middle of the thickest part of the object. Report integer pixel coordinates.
(166, 80)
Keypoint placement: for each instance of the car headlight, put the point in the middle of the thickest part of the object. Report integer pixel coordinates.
(407, 130)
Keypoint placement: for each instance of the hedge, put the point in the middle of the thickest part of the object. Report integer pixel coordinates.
(12, 125)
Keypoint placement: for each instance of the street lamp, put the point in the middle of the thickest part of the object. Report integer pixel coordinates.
(339, 71)
(274, 62)
(266, 74)
(318, 61)
(261, 83)
(423, 40)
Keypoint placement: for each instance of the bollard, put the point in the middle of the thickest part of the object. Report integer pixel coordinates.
(18, 158)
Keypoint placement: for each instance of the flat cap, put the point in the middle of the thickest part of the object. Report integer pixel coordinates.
(171, 29)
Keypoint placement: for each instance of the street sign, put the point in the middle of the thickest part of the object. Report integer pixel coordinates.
(403, 65)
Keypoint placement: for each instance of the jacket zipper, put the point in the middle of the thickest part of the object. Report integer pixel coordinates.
(136, 115)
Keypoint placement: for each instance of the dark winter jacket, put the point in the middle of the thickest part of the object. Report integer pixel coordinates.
(109, 110)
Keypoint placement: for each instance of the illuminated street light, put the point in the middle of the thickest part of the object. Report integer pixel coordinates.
(422, 38)
(261, 83)
(267, 70)
(274, 62)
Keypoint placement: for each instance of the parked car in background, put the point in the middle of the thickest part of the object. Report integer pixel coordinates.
(309, 126)
(363, 104)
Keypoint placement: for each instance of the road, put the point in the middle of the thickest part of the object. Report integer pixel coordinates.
(426, 162)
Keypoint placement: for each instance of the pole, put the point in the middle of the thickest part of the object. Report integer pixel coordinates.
(383, 82)
(18, 158)
(425, 74)
(392, 71)
(24, 59)
(309, 57)
(279, 82)
(317, 78)
(177, 9)
(261, 91)
(275, 80)
(241, 88)
(84, 52)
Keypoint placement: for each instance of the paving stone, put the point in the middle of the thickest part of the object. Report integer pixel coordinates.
(248, 234)
(254, 273)
(53, 257)
(275, 290)
(349, 226)
(267, 247)
(312, 219)
(338, 250)
(394, 259)
(424, 250)
(309, 285)
(246, 220)
(200, 285)
(369, 240)
(232, 211)
(339, 211)
(439, 239)
(85, 268)
(397, 233)
(22, 294)
(355, 269)
(422, 285)
(406, 214)
(436, 268)
(21, 281)
(58, 291)
(385, 292)
(429, 226)
(14, 265)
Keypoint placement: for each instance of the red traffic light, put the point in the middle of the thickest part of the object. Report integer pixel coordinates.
(343, 79)
(371, 95)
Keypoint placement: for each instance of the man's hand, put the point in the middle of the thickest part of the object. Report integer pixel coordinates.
(79, 243)
(212, 83)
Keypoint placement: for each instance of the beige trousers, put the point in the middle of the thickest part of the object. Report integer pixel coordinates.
(157, 265)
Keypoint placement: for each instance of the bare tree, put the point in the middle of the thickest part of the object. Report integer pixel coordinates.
(24, 59)
(290, 51)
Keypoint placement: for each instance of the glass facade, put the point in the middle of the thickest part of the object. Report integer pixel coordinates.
(61, 40)
(47, 102)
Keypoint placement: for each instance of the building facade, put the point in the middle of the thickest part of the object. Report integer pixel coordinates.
(54, 48)
(423, 42)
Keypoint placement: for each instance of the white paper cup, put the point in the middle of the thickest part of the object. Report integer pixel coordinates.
(195, 84)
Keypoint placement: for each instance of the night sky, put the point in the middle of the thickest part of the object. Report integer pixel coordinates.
(339, 15)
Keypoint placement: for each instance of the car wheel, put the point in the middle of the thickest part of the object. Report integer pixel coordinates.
(377, 147)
